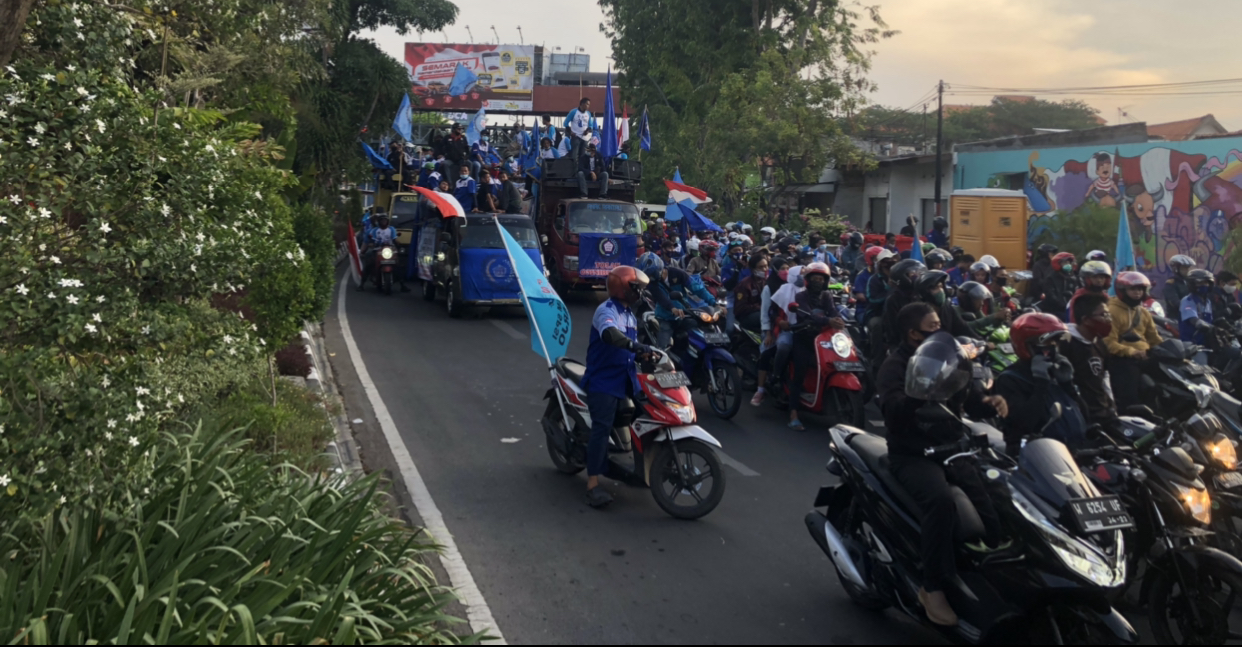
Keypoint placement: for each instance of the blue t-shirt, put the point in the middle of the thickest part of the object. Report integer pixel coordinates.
(609, 369)
(464, 192)
(937, 238)
(955, 277)
(378, 237)
(484, 153)
(1192, 308)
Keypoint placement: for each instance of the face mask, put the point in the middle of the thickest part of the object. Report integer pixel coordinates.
(939, 298)
(1130, 301)
(1203, 290)
(815, 287)
(1098, 327)
(1231, 289)
(761, 274)
(1001, 281)
(1067, 268)
(823, 248)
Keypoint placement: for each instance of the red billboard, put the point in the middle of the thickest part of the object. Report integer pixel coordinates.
(468, 77)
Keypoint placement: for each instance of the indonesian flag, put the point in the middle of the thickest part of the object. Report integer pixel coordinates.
(355, 261)
(447, 204)
(681, 193)
(623, 133)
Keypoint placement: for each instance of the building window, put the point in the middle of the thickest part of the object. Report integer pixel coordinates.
(929, 210)
(878, 214)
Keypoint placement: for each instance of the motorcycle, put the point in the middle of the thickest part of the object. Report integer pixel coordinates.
(1165, 326)
(672, 456)
(836, 384)
(701, 349)
(385, 265)
(1053, 585)
(1180, 387)
(744, 347)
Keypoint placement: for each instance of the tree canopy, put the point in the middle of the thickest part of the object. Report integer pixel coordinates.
(1004, 117)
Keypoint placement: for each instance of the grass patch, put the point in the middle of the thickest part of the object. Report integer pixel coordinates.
(294, 430)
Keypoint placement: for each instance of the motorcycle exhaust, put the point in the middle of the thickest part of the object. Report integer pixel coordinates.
(830, 541)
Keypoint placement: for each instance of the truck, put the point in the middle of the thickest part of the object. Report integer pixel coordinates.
(562, 216)
(465, 261)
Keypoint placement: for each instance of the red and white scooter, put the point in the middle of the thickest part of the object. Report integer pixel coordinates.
(834, 387)
(672, 456)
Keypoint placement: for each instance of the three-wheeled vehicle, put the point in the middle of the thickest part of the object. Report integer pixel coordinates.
(464, 259)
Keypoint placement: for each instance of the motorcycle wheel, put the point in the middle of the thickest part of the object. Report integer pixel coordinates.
(705, 479)
(429, 291)
(387, 283)
(1171, 609)
(451, 300)
(727, 399)
(851, 408)
(564, 464)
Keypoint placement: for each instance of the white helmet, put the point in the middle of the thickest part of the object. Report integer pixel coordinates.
(990, 261)
(733, 235)
(747, 229)
(746, 239)
(692, 245)
(770, 232)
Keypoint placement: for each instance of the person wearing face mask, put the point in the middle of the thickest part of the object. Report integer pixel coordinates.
(1227, 289)
(1089, 357)
(852, 259)
(1196, 308)
(1061, 286)
(769, 324)
(930, 288)
(1096, 277)
(706, 263)
(1001, 291)
(1041, 271)
(978, 308)
(903, 277)
(961, 273)
(928, 480)
(878, 290)
(1177, 288)
(747, 295)
(808, 312)
(481, 154)
(733, 270)
(1134, 333)
(1042, 376)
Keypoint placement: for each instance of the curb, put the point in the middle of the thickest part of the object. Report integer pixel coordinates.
(344, 450)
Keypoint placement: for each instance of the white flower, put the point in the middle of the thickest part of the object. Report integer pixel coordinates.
(55, 260)
(77, 22)
(133, 441)
(99, 124)
(51, 295)
(289, 255)
(22, 289)
(40, 128)
(47, 77)
(71, 67)
(142, 390)
(5, 480)
(211, 149)
(32, 141)
(44, 213)
(105, 227)
(100, 298)
(3, 220)
(228, 339)
(73, 301)
(200, 237)
(68, 146)
(194, 268)
(82, 91)
(63, 500)
(165, 209)
(96, 318)
(90, 328)
(107, 435)
(176, 125)
(180, 399)
(106, 383)
(146, 330)
(111, 424)
(14, 199)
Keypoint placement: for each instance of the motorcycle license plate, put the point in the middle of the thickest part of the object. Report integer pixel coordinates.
(1100, 514)
(1229, 480)
(848, 367)
(672, 380)
(715, 338)
(1195, 369)
(1005, 348)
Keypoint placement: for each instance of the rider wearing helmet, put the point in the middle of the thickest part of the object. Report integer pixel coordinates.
(1196, 308)
(852, 253)
(938, 259)
(767, 235)
(1089, 356)
(932, 287)
(1126, 351)
(1041, 271)
(611, 375)
(1096, 255)
(1041, 377)
(939, 233)
(674, 292)
(1061, 286)
(961, 270)
(878, 290)
(1096, 277)
(927, 369)
(979, 309)
(808, 312)
(706, 262)
(1177, 287)
(903, 277)
(380, 235)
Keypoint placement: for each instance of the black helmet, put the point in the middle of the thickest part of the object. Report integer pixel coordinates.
(1181, 260)
(929, 280)
(938, 370)
(975, 297)
(939, 255)
(856, 239)
(906, 273)
(1200, 277)
(957, 251)
(940, 223)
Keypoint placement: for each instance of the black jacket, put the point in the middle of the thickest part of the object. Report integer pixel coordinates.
(1058, 291)
(510, 198)
(456, 149)
(897, 299)
(584, 164)
(1041, 271)
(906, 436)
(1030, 406)
(1091, 378)
(1175, 289)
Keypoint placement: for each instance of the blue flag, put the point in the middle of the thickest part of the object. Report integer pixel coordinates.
(916, 250)
(697, 221)
(644, 132)
(1123, 259)
(401, 123)
(599, 254)
(375, 159)
(671, 212)
(475, 128)
(608, 138)
(550, 324)
(463, 81)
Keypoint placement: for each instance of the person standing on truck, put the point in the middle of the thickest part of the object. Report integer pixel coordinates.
(579, 122)
(457, 152)
(591, 168)
(510, 196)
(465, 188)
(482, 155)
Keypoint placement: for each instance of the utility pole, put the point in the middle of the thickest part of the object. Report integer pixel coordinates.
(470, 33)
(520, 36)
(939, 141)
(496, 34)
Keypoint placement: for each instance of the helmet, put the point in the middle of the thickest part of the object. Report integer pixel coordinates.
(939, 255)
(856, 239)
(1047, 249)
(1063, 258)
(1096, 255)
(747, 229)
(882, 255)
(1127, 280)
(770, 232)
(736, 243)
(928, 281)
(1200, 277)
(927, 247)
(980, 267)
(745, 240)
(957, 250)
(1182, 260)
(1036, 329)
(817, 268)
(733, 235)
(650, 264)
(990, 261)
(906, 273)
(940, 223)
(975, 297)
(797, 235)
(938, 370)
(736, 227)
(692, 245)
(625, 280)
(870, 254)
(709, 247)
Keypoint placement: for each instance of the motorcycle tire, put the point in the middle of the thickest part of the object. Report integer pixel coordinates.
(429, 291)
(387, 283)
(452, 302)
(564, 464)
(666, 485)
(727, 399)
(1168, 610)
(851, 408)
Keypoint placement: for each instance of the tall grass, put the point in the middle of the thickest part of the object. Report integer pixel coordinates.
(222, 549)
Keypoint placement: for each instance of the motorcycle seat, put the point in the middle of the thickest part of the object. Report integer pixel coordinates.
(873, 450)
(573, 371)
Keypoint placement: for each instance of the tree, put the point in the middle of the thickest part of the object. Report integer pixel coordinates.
(13, 15)
(735, 83)
(1004, 117)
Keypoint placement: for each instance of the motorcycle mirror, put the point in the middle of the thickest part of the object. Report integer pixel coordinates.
(1057, 412)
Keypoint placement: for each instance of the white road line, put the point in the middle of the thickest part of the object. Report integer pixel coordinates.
(507, 329)
(477, 612)
(733, 462)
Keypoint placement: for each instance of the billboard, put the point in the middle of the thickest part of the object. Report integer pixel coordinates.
(496, 77)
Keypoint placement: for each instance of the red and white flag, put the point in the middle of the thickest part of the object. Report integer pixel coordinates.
(355, 261)
(623, 133)
(448, 205)
(681, 193)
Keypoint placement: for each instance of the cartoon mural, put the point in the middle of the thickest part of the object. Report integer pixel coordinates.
(1181, 197)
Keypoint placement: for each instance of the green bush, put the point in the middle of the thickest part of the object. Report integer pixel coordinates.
(222, 548)
(313, 228)
(1087, 228)
(294, 430)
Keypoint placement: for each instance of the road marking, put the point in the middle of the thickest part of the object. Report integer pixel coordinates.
(477, 612)
(507, 329)
(732, 462)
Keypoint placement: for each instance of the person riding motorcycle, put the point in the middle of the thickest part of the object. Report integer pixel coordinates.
(938, 259)
(611, 375)
(747, 294)
(706, 262)
(878, 289)
(767, 235)
(1089, 356)
(852, 254)
(381, 235)
(976, 299)
(903, 277)
(932, 287)
(1134, 333)
(939, 235)
(910, 378)
(674, 292)
(1177, 287)
(1196, 308)
(1061, 286)
(777, 273)
(811, 310)
(1096, 278)
(1042, 376)
(1096, 255)
(1041, 271)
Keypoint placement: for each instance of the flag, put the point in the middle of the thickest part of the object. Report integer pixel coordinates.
(477, 125)
(550, 324)
(1123, 259)
(376, 160)
(608, 138)
(447, 204)
(696, 220)
(355, 261)
(463, 81)
(671, 212)
(680, 193)
(644, 132)
(623, 135)
(401, 123)
(916, 250)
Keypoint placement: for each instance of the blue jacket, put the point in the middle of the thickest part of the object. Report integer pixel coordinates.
(376, 236)
(938, 238)
(956, 278)
(464, 192)
(878, 290)
(1194, 308)
(488, 156)
(694, 294)
(609, 369)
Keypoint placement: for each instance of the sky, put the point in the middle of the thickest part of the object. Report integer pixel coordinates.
(993, 43)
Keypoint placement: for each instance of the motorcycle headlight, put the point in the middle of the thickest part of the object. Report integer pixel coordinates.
(1079, 556)
(706, 317)
(386, 253)
(1197, 503)
(1222, 451)
(684, 413)
(842, 344)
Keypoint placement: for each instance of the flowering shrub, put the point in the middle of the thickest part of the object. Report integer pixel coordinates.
(119, 221)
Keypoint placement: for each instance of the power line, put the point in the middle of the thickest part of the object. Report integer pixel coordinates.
(1214, 87)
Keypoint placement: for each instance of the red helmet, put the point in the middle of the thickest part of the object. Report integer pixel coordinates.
(1036, 329)
(1063, 258)
(871, 253)
(709, 247)
(817, 268)
(1131, 280)
(624, 281)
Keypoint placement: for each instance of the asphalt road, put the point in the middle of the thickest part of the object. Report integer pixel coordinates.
(467, 396)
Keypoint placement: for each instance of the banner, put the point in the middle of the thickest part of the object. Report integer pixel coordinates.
(599, 254)
(497, 77)
(550, 324)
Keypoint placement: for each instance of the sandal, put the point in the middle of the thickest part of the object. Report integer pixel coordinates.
(797, 425)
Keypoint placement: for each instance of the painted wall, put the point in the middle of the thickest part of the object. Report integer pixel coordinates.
(1181, 197)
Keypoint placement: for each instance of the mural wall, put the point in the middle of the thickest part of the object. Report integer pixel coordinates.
(1180, 197)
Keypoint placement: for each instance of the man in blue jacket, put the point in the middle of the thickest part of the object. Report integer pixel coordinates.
(466, 189)
(591, 169)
